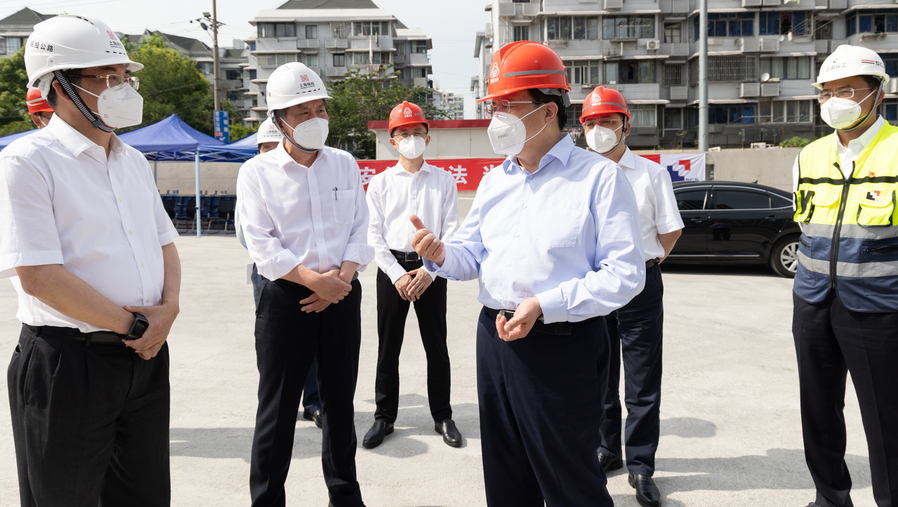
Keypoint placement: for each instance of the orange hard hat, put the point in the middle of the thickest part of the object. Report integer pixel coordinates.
(406, 114)
(602, 101)
(525, 65)
(36, 103)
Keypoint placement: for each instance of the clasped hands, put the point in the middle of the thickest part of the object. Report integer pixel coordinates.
(327, 289)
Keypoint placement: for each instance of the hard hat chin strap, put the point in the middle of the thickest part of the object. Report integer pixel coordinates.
(879, 93)
(277, 124)
(88, 114)
(623, 135)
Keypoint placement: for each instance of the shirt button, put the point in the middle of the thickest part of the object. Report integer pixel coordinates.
(506, 296)
(518, 235)
(142, 265)
(120, 199)
(316, 216)
(525, 206)
(509, 264)
(314, 193)
(148, 300)
(131, 231)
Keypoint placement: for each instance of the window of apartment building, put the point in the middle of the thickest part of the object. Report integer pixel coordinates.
(889, 111)
(205, 67)
(728, 68)
(340, 30)
(872, 21)
(673, 32)
(628, 27)
(275, 60)
(791, 67)
(2, 45)
(673, 118)
(891, 62)
(311, 60)
(311, 31)
(252, 46)
(823, 29)
(643, 115)
(377, 58)
(521, 33)
(728, 24)
(252, 74)
(339, 59)
(786, 111)
(674, 75)
(583, 72)
(630, 72)
(232, 75)
(418, 47)
(730, 114)
(783, 22)
(276, 29)
(370, 28)
(572, 28)
(422, 72)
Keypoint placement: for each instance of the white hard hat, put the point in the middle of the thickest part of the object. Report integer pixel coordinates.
(848, 61)
(71, 42)
(268, 133)
(291, 84)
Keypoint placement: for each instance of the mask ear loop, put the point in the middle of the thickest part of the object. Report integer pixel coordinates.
(277, 123)
(70, 91)
(623, 135)
(872, 109)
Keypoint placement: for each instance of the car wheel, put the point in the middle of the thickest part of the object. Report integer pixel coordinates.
(784, 257)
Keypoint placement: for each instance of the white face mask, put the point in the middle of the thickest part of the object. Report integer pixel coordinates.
(311, 133)
(842, 113)
(508, 134)
(118, 108)
(602, 140)
(412, 147)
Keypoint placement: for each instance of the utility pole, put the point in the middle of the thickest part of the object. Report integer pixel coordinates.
(703, 77)
(205, 22)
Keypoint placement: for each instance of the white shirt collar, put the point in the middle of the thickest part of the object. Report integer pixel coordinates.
(75, 142)
(627, 160)
(425, 167)
(856, 146)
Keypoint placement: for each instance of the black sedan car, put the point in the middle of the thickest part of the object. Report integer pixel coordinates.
(731, 222)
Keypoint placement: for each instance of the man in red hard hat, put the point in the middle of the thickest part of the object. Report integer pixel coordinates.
(636, 329)
(553, 237)
(411, 186)
(38, 108)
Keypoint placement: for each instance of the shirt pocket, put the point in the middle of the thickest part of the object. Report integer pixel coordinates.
(344, 205)
(873, 211)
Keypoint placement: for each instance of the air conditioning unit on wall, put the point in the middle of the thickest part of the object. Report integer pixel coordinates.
(653, 44)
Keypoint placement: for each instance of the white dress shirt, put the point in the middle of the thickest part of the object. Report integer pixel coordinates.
(568, 234)
(847, 154)
(655, 199)
(63, 202)
(292, 214)
(393, 195)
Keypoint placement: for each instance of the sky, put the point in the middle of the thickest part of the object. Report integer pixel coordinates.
(451, 28)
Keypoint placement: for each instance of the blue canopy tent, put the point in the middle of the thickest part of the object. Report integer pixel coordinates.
(247, 143)
(6, 140)
(173, 140)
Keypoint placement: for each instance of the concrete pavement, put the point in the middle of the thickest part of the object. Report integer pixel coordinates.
(730, 432)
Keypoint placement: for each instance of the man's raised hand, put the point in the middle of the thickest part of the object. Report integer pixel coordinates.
(426, 243)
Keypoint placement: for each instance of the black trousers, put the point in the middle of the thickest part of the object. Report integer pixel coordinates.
(287, 341)
(636, 331)
(310, 400)
(540, 408)
(90, 423)
(392, 311)
(830, 340)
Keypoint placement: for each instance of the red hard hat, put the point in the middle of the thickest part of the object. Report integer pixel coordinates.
(525, 65)
(406, 114)
(36, 103)
(603, 101)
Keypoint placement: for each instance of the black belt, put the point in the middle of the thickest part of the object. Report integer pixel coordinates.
(556, 328)
(406, 256)
(651, 263)
(71, 333)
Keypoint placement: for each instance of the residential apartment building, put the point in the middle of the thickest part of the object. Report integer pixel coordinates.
(763, 59)
(15, 29)
(333, 37)
(452, 104)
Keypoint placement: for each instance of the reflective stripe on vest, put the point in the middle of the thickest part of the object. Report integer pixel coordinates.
(849, 238)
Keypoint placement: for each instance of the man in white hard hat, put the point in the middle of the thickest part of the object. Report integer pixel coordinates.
(267, 138)
(845, 312)
(304, 218)
(89, 249)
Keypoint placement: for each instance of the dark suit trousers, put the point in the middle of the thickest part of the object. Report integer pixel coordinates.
(540, 408)
(392, 311)
(287, 341)
(310, 400)
(636, 331)
(90, 423)
(830, 340)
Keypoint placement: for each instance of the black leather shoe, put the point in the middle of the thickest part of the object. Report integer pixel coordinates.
(313, 415)
(610, 463)
(375, 435)
(450, 433)
(647, 493)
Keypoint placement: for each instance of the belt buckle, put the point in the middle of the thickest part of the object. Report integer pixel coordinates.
(412, 257)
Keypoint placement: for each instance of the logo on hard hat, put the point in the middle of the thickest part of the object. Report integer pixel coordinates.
(596, 100)
(111, 34)
(407, 112)
(494, 72)
(304, 78)
(872, 62)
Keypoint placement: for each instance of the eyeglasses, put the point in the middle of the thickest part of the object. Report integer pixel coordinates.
(503, 106)
(114, 81)
(843, 93)
(607, 123)
(419, 135)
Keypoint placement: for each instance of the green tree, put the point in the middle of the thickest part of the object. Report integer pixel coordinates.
(13, 88)
(795, 142)
(239, 131)
(358, 98)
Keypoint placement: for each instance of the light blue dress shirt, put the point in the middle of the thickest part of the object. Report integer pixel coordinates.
(568, 234)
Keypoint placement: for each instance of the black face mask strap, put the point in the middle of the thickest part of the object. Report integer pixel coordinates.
(277, 123)
(70, 91)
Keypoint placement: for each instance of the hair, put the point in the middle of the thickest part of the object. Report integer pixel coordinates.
(872, 81)
(542, 98)
(52, 97)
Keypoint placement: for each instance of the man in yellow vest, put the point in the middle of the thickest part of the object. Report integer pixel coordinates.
(845, 299)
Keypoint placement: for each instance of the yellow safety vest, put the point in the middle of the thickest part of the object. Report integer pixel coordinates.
(849, 240)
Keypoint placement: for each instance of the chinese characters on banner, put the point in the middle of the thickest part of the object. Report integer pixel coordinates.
(469, 171)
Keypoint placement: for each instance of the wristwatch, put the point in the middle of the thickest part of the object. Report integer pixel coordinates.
(138, 327)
